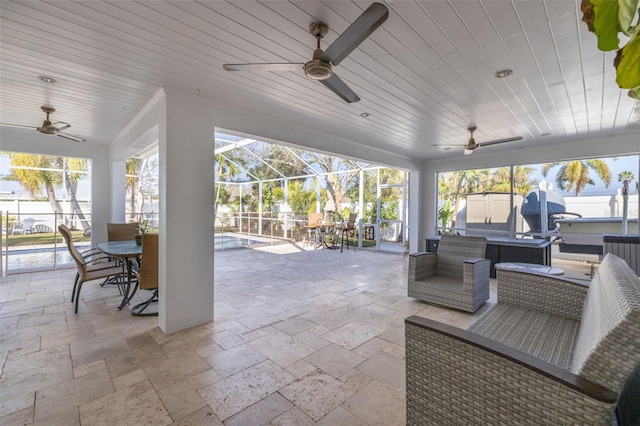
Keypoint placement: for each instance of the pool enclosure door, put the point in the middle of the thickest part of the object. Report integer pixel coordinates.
(392, 214)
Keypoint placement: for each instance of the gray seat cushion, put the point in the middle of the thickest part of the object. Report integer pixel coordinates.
(548, 337)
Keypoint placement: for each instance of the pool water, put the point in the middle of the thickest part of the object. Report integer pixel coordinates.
(43, 258)
(39, 258)
(224, 242)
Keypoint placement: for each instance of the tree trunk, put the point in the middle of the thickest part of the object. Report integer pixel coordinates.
(75, 206)
(51, 196)
(134, 187)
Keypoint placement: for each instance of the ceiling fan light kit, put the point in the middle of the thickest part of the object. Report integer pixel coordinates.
(320, 67)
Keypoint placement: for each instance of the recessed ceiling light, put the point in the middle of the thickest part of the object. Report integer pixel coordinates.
(364, 114)
(126, 109)
(503, 73)
(46, 79)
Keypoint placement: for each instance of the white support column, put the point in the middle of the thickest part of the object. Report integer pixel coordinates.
(186, 255)
(101, 183)
(361, 207)
(260, 207)
(118, 191)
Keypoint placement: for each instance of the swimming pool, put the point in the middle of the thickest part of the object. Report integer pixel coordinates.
(22, 260)
(224, 242)
(39, 258)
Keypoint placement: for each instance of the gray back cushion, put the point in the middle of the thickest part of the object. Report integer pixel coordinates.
(608, 346)
(453, 250)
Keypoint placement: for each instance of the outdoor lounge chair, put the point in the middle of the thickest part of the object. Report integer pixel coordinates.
(90, 267)
(552, 351)
(457, 276)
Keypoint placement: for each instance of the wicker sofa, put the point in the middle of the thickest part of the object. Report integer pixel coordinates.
(552, 351)
(457, 276)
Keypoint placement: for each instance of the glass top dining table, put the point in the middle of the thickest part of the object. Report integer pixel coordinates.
(126, 250)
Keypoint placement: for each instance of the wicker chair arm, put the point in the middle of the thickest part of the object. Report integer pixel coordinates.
(475, 260)
(454, 376)
(422, 265)
(546, 293)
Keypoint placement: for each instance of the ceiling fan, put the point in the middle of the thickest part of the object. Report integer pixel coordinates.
(472, 145)
(49, 128)
(321, 66)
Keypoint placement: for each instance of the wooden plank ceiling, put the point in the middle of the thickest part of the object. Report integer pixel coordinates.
(423, 76)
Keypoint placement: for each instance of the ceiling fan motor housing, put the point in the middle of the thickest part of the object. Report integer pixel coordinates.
(318, 69)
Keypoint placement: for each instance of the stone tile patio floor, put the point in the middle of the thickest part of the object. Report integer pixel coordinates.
(300, 337)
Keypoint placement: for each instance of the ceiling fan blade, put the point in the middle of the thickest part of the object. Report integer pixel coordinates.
(263, 67)
(340, 88)
(18, 126)
(359, 30)
(460, 145)
(515, 138)
(71, 137)
(59, 126)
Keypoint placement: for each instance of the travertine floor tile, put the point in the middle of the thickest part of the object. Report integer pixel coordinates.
(203, 416)
(205, 378)
(72, 393)
(99, 347)
(181, 399)
(335, 360)
(341, 417)
(282, 348)
(235, 359)
(261, 412)
(175, 369)
(67, 416)
(138, 404)
(317, 394)
(292, 417)
(385, 368)
(354, 334)
(16, 404)
(237, 392)
(33, 379)
(129, 379)
(377, 404)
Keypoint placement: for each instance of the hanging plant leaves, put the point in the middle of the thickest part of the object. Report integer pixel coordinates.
(601, 16)
(634, 93)
(627, 64)
(626, 12)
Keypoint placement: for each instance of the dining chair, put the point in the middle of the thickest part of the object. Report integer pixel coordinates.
(147, 276)
(120, 232)
(90, 267)
(348, 228)
(313, 227)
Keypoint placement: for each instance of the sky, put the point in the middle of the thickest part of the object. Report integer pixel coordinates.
(616, 166)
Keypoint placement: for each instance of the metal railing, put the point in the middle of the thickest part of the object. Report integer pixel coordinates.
(31, 241)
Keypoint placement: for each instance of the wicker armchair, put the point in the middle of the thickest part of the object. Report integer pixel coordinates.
(552, 351)
(456, 277)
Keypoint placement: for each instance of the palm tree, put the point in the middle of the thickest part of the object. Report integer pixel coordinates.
(133, 166)
(574, 175)
(626, 175)
(37, 171)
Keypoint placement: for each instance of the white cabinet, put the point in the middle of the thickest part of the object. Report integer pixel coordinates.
(490, 212)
